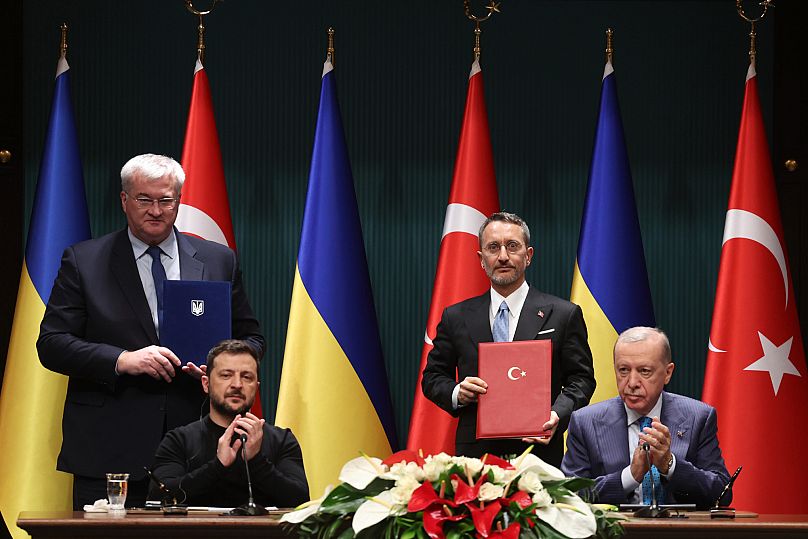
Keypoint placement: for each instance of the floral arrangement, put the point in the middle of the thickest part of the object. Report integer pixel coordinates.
(408, 496)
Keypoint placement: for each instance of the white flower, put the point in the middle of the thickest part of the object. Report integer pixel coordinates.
(305, 510)
(489, 492)
(542, 498)
(531, 463)
(501, 475)
(440, 458)
(401, 469)
(530, 482)
(402, 492)
(432, 470)
(376, 509)
(569, 516)
(361, 471)
(474, 466)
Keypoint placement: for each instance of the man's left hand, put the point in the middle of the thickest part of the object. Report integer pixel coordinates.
(659, 440)
(193, 370)
(551, 426)
(253, 427)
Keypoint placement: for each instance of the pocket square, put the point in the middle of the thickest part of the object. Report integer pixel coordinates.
(545, 331)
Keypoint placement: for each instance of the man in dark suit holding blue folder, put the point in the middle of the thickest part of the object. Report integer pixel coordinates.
(101, 328)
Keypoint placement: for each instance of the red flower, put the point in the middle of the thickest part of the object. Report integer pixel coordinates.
(465, 493)
(520, 497)
(434, 519)
(511, 532)
(483, 518)
(494, 460)
(424, 497)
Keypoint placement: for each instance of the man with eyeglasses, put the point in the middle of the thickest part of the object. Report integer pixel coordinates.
(510, 311)
(101, 328)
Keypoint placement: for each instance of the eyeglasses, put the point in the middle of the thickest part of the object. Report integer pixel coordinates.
(165, 203)
(494, 248)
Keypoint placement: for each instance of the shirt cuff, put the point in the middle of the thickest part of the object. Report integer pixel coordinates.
(629, 483)
(455, 393)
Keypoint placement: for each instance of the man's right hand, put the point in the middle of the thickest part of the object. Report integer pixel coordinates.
(470, 388)
(639, 464)
(155, 361)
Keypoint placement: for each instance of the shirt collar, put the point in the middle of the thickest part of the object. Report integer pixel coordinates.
(632, 416)
(168, 245)
(515, 301)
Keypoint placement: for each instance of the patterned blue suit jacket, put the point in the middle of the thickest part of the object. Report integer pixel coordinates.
(597, 447)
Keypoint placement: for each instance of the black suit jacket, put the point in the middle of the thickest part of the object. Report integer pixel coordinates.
(466, 324)
(97, 309)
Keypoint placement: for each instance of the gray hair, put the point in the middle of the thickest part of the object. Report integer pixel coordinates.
(505, 217)
(642, 333)
(152, 167)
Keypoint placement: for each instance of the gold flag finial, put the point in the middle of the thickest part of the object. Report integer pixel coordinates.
(492, 7)
(609, 44)
(330, 51)
(200, 43)
(765, 4)
(63, 44)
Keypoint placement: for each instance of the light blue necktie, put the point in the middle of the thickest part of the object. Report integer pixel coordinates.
(646, 480)
(500, 329)
(159, 276)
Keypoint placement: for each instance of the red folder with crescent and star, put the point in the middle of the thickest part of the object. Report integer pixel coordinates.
(517, 403)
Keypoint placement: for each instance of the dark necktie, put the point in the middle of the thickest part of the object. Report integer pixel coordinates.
(159, 276)
(652, 474)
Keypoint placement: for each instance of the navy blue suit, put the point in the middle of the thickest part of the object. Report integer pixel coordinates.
(597, 447)
(466, 324)
(98, 309)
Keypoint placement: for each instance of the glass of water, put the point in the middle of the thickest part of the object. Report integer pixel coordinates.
(117, 485)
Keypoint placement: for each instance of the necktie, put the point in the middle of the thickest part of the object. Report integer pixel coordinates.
(652, 474)
(159, 276)
(500, 329)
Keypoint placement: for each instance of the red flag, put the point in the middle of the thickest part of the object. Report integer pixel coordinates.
(756, 374)
(205, 211)
(473, 197)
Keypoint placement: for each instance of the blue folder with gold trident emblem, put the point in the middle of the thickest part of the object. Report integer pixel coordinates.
(196, 317)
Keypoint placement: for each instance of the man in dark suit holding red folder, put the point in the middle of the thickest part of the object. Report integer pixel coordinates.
(509, 311)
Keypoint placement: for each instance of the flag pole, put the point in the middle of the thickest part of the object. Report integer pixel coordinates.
(63, 45)
(765, 4)
(492, 7)
(609, 45)
(330, 51)
(200, 44)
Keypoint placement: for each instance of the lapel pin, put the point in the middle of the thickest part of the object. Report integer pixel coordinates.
(680, 433)
(541, 314)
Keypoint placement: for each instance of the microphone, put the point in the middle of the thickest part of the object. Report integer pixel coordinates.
(249, 508)
(653, 510)
(725, 512)
(168, 501)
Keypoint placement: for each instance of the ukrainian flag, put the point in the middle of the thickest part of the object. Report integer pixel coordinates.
(610, 282)
(32, 397)
(333, 392)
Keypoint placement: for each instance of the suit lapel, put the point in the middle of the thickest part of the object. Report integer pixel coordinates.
(678, 424)
(191, 268)
(124, 269)
(612, 434)
(534, 316)
(477, 322)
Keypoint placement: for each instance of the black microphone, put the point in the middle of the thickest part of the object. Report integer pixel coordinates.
(725, 512)
(249, 508)
(653, 510)
(168, 501)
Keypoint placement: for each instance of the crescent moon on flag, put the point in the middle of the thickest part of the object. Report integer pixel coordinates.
(194, 221)
(462, 218)
(742, 224)
(510, 373)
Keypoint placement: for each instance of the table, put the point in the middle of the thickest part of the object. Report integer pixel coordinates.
(153, 525)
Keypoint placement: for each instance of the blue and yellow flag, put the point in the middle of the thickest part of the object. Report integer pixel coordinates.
(32, 397)
(610, 282)
(333, 393)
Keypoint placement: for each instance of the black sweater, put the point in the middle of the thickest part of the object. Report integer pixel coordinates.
(186, 462)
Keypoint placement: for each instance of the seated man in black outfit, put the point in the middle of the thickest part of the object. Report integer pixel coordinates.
(203, 462)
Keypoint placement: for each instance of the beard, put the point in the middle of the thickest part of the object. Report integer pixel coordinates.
(221, 406)
(503, 280)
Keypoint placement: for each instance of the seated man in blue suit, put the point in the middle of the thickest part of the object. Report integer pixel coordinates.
(605, 439)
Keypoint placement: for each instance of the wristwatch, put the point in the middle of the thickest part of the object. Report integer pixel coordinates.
(668, 467)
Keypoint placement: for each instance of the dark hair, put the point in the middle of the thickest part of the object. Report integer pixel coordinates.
(230, 346)
(505, 217)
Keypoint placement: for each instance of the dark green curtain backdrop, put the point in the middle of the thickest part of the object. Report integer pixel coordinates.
(402, 73)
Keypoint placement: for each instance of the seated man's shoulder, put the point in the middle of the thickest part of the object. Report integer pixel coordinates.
(598, 410)
(688, 405)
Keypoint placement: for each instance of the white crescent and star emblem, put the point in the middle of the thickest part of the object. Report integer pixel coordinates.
(511, 375)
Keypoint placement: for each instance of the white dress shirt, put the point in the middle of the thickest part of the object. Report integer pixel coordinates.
(171, 263)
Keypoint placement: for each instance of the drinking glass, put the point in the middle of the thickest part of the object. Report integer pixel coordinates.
(117, 485)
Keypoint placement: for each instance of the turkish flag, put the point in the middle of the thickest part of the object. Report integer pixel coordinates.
(204, 209)
(472, 199)
(756, 374)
